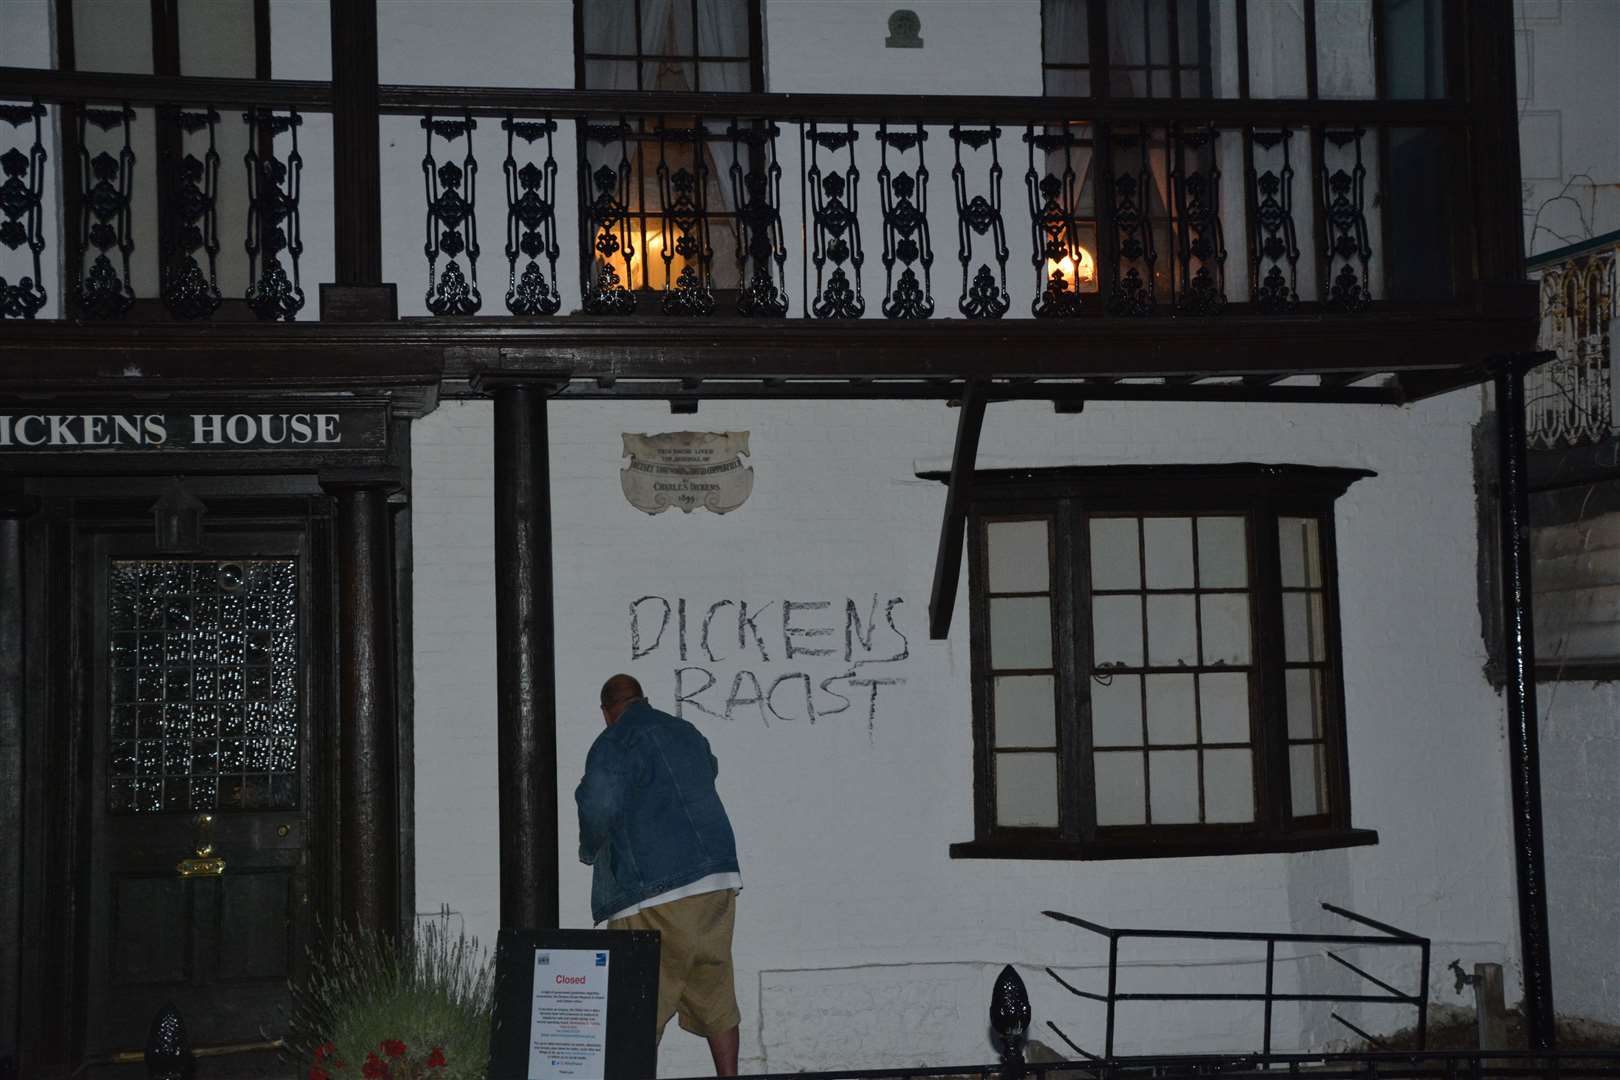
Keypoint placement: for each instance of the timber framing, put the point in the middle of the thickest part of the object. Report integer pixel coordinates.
(1388, 358)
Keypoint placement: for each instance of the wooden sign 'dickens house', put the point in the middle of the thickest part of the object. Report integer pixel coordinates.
(219, 431)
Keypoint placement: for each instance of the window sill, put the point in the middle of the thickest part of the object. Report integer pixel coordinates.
(1169, 848)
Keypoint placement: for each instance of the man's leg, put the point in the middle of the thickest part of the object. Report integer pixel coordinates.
(723, 1048)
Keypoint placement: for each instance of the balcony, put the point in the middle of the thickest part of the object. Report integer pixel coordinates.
(642, 244)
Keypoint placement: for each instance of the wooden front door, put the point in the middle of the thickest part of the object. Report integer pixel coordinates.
(202, 878)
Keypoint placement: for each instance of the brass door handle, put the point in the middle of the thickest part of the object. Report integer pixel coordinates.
(204, 863)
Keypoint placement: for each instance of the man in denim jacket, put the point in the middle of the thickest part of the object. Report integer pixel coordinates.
(663, 857)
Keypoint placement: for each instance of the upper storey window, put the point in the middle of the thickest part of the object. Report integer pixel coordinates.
(1232, 49)
(670, 45)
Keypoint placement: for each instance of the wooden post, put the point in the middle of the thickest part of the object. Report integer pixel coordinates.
(525, 670)
(14, 507)
(358, 294)
(368, 798)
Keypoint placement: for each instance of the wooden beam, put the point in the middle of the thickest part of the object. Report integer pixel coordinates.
(948, 561)
(46, 356)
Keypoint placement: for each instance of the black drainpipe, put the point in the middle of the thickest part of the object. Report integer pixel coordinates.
(1524, 760)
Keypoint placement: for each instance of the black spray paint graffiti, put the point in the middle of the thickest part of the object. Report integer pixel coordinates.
(800, 628)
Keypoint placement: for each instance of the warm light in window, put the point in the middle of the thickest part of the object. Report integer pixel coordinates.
(1087, 271)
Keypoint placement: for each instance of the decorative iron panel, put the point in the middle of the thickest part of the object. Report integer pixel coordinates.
(203, 659)
(1195, 176)
(1347, 240)
(531, 220)
(607, 212)
(1274, 271)
(105, 292)
(275, 186)
(756, 192)
(192, 196)
(906, 237)
(21, 210)
(452, 220)
(683, 208)
(1054, 216)
(1571, 400)
(986, 297)
(834, 198)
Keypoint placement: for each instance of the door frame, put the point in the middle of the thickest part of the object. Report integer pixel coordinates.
(56, 744)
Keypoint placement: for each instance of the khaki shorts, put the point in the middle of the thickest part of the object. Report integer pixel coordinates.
(694, 960)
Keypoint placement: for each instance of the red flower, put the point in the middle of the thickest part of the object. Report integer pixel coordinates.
(436, 1059)
(323, 1050)
(374, 1069)
(393, 1048)
(318, 1073)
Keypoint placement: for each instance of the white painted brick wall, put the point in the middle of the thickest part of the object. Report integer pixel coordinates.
(844, 828)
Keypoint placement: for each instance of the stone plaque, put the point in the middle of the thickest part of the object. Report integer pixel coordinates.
(687, 469)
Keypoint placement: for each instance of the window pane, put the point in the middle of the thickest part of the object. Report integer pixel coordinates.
(1171, 718)
(1066, 82)
(1223, 707)
(666, 29)
(1223, 553)
(1228, 785)
(1305, 779)
(1021, 633)
(671, 76)
(217, 38)
(1173, 775)
(1064, 37)
(1302, 626)
(610, 75)
(1167, 547)
(1116, 631)
(1019, 556)
(1025, 710)
(730, 78)
(1026, 790)
(1114, 560)
(204, 652)
(1172, 630)
(1121, 789)
(1414, 50)
(1276, 49)
(1299, 546)
(1226, 627)
(112, 35)
(1304, 703)
(1116, 711)
(1344, 49)
(610, 26)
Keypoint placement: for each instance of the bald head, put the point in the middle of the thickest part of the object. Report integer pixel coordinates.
(617, 694)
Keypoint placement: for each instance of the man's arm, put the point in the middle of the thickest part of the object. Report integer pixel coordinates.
(600, 797)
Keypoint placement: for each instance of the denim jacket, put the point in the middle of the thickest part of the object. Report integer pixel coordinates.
(650, 819)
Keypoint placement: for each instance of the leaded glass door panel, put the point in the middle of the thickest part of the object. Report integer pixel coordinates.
(201, 799)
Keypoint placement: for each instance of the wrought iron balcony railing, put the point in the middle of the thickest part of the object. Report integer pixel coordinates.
(1572, 399)
(198, 199)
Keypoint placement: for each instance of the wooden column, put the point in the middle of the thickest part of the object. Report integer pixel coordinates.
(358, 293)
(1493, 165)
(368, 797)
(525, 667)
(14, 506)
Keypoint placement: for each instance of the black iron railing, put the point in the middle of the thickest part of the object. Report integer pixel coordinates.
(750, 206)
(1386, 937)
